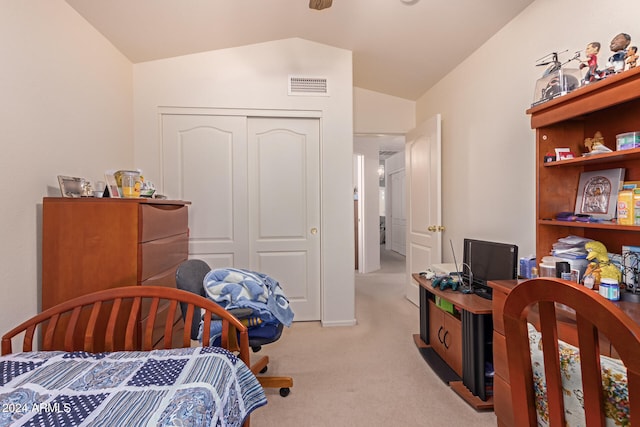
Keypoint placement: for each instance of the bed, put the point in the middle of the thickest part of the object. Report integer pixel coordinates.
(558, 384)
(131, 381)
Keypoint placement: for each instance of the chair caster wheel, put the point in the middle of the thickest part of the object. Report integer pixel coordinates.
(263, 370)
(284, 391)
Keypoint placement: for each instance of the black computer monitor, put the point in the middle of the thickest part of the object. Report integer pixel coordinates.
(484, 261)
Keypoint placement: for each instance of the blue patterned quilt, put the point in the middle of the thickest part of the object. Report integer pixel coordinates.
(203, 386)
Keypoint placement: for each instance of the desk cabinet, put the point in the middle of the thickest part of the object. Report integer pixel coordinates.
(566, 332)
(91, 244)
(457, 348)
(445, 336)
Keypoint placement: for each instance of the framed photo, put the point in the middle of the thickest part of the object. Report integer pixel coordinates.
(70, 186)
(598, 193)
(575, 275)
(112, 186)
(563, 154)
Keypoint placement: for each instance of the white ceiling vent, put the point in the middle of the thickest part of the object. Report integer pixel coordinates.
(308, 86)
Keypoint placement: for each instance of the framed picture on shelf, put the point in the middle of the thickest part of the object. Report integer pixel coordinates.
(70, 186)
(598, 193)
(112, 185)
(563, 154)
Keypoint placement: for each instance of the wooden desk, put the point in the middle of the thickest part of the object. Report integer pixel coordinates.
(566, 332)
(457, 346)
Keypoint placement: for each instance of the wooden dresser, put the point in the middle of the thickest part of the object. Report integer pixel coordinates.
(90, 244)
(566, 332)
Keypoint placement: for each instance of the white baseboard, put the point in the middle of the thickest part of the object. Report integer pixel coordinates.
(339, 323)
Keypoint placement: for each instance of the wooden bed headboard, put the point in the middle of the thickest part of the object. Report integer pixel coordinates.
(97, 317)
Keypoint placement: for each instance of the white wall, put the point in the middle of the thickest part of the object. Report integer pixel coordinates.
(377, 113)
(487, 144)
(65, 109)
(255, 77)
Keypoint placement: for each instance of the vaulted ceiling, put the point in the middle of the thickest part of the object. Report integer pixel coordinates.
(400, 47)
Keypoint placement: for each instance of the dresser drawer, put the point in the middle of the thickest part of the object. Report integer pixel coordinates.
(158, 221)
(160, 255)
(497, 305)
(502, 404)
(166, 278)
(500, 362)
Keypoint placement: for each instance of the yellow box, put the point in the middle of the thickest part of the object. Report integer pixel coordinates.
(625, 207)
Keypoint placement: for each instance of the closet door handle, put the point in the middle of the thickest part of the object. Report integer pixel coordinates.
(446, 345)
(439, 337)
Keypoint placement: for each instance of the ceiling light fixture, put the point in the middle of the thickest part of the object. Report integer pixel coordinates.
(410, 2)
(320, 4)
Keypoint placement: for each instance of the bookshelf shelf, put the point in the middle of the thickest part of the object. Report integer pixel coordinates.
(598, 159)
(595, 225)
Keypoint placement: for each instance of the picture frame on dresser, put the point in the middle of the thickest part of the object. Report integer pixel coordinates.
(70, 186)
(112, 185)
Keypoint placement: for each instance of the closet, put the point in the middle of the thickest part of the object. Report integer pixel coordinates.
(254, 184)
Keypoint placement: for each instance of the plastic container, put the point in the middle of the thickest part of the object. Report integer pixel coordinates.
(547, 270)
(626, 141)
(579, 264)
(610, 289)
(129, 182)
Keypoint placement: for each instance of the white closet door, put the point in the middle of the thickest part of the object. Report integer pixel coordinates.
(284, 201)
(254, 185)
(204, 161)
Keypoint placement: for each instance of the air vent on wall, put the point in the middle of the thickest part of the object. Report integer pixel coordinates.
(308, 86)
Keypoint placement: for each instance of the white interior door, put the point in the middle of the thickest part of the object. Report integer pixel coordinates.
(398, 212)
(284, 199)
(424, 200)
(204, 162)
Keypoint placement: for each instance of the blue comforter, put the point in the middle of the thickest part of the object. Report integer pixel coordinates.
(205, 386)
(237, 288)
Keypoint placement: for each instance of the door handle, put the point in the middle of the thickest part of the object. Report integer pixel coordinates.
(314, 230)
(444, 341)
(439, 337)
(434, 228)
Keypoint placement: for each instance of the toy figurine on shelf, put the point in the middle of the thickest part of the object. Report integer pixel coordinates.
(618, 46)
(592, 73)
(556, 80)
(596, 145)
(631, 60)
(600, 266)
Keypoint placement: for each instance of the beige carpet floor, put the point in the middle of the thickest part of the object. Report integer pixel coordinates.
(370, 374)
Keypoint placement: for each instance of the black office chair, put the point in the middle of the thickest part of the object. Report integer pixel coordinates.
(190, 277)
